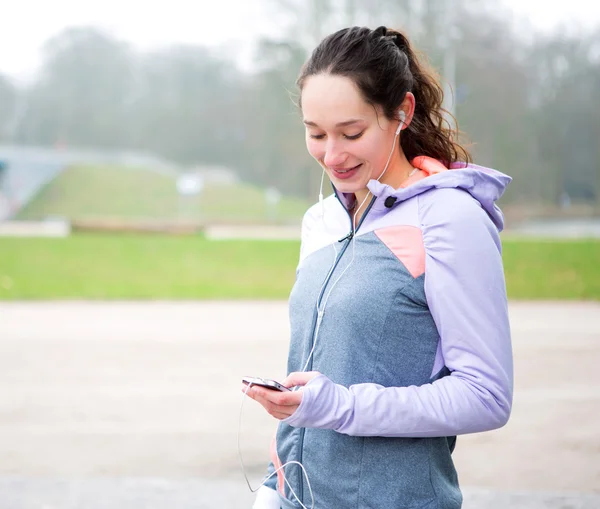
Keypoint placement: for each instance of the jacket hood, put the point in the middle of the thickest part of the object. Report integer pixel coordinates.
(484, 184)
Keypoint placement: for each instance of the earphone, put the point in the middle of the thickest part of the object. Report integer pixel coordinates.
(402, 118)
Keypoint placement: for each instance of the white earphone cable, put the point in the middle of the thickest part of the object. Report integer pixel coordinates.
(320, 314)
(254, 490)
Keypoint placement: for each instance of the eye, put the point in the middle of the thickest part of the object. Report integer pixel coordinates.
(317, 136)
(354, 137)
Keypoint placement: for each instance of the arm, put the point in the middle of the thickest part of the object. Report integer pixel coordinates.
(464, 285)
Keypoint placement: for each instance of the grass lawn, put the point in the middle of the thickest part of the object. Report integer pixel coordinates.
(538, 269)
(144, 267)
(83, 192)
(103, 266)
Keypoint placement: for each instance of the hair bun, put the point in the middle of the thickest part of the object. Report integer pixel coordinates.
(399, 40)
(380, 31)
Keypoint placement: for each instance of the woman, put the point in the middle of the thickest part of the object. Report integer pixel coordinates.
(399, 327)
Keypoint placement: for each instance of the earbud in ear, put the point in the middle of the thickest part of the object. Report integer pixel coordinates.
(402, 118)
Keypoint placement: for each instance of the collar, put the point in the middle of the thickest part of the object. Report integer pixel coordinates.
(425, 166)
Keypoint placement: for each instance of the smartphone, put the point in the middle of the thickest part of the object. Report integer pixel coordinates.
(266, 383)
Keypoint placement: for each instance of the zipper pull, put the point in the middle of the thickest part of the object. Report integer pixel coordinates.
(347, 237)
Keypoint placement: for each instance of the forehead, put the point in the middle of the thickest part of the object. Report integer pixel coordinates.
(327, 98)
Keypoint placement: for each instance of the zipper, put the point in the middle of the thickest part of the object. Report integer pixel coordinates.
(321, 312)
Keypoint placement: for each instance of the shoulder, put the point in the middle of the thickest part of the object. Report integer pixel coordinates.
(452, 220)
(330, 210)
(322, 225)
(311, 216)
(449, 205)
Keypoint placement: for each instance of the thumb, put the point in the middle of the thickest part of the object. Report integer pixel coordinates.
(299, 378)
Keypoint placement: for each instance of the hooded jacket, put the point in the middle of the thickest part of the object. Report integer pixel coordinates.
(406, 320)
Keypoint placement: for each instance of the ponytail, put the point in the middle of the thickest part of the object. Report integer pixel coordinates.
(429, 133)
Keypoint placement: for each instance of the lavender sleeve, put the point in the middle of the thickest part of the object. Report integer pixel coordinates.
(466, 294)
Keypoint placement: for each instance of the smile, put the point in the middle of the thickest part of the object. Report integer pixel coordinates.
(345, 173)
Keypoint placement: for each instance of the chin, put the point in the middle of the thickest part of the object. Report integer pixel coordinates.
(350, 185)
(345, 186)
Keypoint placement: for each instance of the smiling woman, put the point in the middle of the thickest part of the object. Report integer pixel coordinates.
(350, 113)
(399, 327)
(350, 150)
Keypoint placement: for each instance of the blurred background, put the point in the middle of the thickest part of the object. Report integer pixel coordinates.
(123, 110)
(153, 176)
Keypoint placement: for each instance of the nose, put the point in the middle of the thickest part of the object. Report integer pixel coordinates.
(334, 154)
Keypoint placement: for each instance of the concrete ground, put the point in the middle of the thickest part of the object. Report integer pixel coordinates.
(137, 405)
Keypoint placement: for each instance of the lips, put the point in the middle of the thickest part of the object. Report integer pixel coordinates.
(345, 173)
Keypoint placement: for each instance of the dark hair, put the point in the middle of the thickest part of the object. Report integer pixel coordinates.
(383, 65)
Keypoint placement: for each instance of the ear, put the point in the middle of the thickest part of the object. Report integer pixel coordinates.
(408, 107)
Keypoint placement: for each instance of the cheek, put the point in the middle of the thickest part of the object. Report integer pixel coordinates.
(375, 153)
(315, 148)
(368, 149)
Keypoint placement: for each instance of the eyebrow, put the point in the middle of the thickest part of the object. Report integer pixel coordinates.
(339, 124)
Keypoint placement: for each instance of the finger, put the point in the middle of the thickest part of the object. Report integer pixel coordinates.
(280, 416)
(248, 390)
(281, 399)
(257, 396)
(256, 393)
(278, 405)
(280, 412)
(299, 378)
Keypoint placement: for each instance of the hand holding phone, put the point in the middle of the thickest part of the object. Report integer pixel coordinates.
(279, 401)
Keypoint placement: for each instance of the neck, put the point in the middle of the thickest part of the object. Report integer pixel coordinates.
(398, 171)
(361, 202)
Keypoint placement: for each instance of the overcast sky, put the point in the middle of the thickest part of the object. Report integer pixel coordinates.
(28, 23)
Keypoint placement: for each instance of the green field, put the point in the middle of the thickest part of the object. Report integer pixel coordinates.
(98, 266)
(84, 192)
